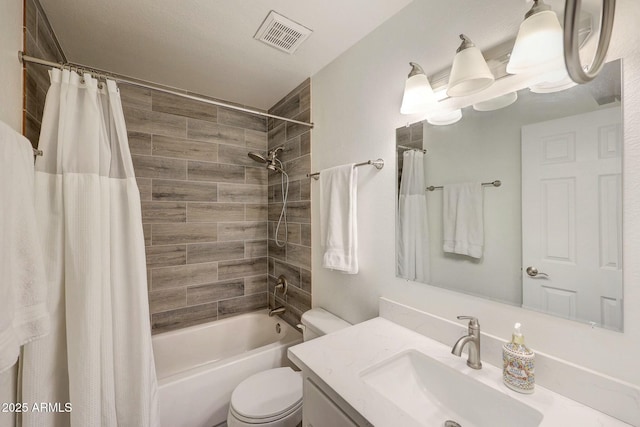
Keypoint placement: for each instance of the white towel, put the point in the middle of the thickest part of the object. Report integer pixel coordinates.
(338, 218)
(23, 312)
(463, 219)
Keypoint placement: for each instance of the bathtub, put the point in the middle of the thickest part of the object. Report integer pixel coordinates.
(198, 367)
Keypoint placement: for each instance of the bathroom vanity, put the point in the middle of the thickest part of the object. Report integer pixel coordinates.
(384, 374)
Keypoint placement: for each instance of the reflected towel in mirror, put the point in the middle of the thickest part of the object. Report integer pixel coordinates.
(462, 216)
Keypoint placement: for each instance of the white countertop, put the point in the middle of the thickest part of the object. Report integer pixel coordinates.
(340, 357)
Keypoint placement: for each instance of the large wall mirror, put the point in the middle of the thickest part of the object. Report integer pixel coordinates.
(549, 237)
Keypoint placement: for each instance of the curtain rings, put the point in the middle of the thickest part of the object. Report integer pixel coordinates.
(78, 71)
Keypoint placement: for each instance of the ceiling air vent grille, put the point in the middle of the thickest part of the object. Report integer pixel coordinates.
(282, 33)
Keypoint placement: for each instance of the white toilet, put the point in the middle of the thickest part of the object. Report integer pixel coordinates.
(273, 398)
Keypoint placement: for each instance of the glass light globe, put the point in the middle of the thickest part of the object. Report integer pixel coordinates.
(539, 42)
(418, 95)
(438, 118)
(469, 74)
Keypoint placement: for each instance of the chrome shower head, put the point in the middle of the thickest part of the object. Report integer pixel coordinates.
(257, 157)
(271, 160)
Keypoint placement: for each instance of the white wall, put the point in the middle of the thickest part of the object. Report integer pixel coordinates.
(355, 108)
(10, 67)
(486, 146)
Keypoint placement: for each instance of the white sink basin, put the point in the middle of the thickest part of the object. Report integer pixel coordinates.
(433, 393)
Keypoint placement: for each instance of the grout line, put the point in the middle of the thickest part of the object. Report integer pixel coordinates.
(185, 306)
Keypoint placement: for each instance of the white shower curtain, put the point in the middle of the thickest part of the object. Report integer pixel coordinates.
(98, 357)
(413, 227)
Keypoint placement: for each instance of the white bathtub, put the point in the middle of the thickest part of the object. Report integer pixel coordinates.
(198, 367)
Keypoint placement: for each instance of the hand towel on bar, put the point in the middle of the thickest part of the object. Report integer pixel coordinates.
(462, 219)
(23, 312)
(338, 218)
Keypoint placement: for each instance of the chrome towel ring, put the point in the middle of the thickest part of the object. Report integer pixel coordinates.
(571, 48)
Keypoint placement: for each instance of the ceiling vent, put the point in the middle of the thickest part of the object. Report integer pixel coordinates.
(282, 33)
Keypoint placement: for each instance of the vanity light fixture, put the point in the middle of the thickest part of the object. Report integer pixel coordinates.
(539, 40)
(470, 73)
(560, 84)
(497, 102)
(418, 96)
(444, 118)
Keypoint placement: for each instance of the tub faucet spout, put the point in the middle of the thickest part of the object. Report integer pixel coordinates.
(473, 339)
(277, 310)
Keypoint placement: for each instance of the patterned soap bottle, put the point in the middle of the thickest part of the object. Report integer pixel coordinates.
(518, 371)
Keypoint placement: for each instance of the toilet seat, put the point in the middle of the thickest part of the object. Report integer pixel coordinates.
(259, 421)
(267, 396)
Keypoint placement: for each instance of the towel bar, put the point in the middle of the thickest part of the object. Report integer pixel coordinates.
(379, 164)
(496, 183)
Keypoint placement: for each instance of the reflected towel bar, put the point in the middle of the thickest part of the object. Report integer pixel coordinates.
(405, 147)
(379, 164)
(496, 183)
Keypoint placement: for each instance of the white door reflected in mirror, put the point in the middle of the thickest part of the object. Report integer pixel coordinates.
(572, 217)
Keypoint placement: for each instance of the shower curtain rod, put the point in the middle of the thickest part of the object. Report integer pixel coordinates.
(150, 85)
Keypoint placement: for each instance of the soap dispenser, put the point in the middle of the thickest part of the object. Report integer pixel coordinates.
(518, 363)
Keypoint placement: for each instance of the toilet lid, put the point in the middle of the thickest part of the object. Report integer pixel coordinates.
(268, 393)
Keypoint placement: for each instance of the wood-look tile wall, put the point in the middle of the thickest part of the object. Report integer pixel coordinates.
(293, 260)
(209, 212)
(204, 206)
(40, 41)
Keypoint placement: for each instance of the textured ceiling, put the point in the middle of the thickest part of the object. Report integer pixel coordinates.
(207, 46)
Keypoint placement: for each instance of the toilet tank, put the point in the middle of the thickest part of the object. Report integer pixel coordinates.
(319, 321)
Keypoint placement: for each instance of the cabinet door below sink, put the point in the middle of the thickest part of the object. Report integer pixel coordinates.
(320, 411)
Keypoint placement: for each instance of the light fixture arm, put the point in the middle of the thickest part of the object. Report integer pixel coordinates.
(538, 6)
(415, 69)
(571, 48)
(466, 43)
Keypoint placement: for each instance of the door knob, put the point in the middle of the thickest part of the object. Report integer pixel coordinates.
(533, 272)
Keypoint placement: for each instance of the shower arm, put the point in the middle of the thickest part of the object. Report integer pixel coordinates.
(272, 154)
(571, 48)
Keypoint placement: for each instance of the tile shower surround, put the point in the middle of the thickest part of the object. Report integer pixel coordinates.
(208, 211)
(294, 260)
(204, 206)
(39, 41)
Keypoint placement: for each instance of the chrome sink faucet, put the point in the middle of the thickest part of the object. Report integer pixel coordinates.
(473, 339)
